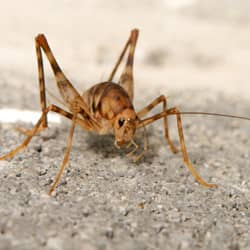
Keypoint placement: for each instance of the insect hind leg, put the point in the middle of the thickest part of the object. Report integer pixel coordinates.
(126, 79)
(42, 90)
(41, 80)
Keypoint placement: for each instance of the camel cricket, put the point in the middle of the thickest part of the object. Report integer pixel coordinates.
(107, 107)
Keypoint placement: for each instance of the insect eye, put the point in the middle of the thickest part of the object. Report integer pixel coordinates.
(121, 121)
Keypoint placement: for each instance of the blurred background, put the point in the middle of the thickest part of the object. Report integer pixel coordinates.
(184, 45)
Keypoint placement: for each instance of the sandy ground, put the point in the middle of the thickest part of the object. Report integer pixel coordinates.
(195, 52)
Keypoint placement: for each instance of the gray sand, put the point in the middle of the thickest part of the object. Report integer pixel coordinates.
(104, 200)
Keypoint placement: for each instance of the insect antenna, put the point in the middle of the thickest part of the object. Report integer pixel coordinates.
(210, 114)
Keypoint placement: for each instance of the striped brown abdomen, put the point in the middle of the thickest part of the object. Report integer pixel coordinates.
(106, 100)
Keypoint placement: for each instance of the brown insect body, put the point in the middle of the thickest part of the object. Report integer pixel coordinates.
(112, 108)
(106, 107)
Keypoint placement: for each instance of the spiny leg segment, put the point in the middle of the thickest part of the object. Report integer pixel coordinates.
(175, 111)
(41, 82)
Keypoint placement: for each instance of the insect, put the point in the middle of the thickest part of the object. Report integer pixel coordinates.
(107, 107)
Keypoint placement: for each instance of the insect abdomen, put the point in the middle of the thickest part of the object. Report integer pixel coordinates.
(108, 99)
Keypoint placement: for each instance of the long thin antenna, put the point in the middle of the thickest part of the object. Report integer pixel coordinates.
(211, 114)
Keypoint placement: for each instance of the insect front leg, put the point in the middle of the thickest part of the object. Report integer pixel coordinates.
(175, 111)
(161, 99)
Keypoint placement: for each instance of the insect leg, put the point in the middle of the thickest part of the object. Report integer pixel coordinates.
(28, 138)
(184, 151)
(175, 111)
(126, 79)
(66, 155)
(83, 123)
(71, 97)
(149, 107)
(41, 43)
(43, 104)
(41, 83)
(119, 61)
